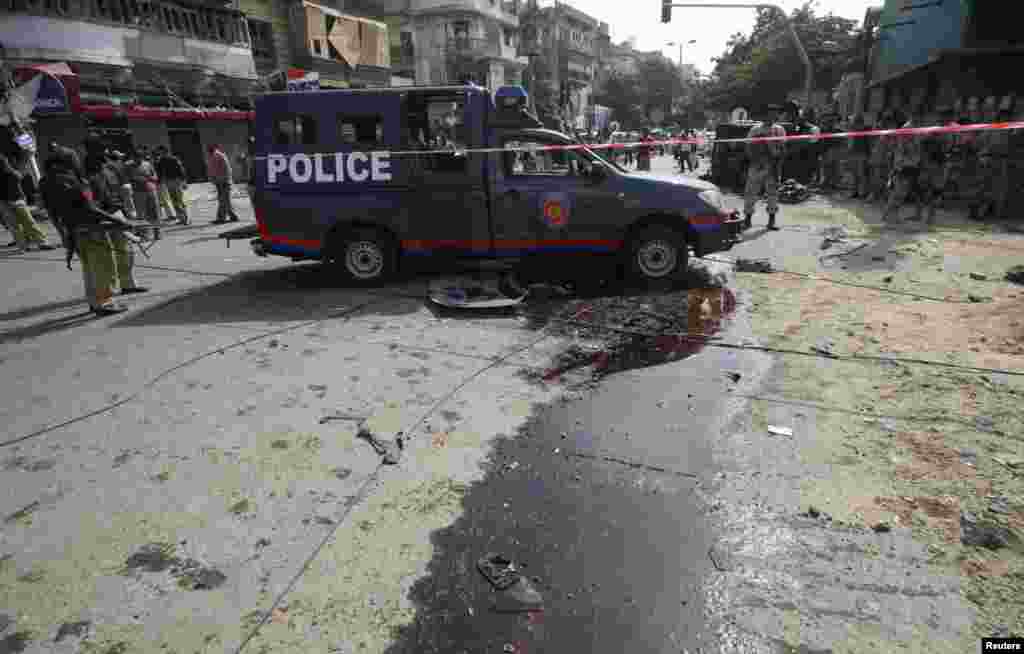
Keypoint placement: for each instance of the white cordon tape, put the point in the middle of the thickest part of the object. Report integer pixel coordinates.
(903, 131)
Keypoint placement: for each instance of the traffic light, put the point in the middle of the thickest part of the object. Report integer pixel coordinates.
(666, 11)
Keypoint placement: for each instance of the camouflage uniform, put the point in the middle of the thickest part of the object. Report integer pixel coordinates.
(763, 172)
(994, 169)
(932, 181)
(879, 161)
(906, 163)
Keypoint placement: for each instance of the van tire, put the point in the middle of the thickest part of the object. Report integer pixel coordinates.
(657, 254)
(364, 256)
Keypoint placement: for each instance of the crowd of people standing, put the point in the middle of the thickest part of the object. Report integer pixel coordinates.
(101, 201)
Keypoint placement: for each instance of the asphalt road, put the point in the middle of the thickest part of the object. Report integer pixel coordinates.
(608, 494)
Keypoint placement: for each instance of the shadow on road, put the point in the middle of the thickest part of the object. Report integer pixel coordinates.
(28, 312)
(294, 293)
(618, 563)
(46, 327)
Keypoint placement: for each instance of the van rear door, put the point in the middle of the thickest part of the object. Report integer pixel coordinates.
(323, 161)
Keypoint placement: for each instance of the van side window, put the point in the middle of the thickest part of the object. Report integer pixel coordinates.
(528, 159)
(295, 129)
(438, 122)
(364, 131)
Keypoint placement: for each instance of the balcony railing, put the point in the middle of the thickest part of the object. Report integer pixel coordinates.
(472, 47)
(203, 23)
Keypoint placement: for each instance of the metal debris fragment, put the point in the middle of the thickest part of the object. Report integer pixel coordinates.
(780, 431)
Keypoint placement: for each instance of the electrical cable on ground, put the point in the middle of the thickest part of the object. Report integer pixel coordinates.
(361, 492)
(838, 282)
(155, 380)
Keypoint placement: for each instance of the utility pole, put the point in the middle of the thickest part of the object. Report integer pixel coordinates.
(666, 17)
(690, 42)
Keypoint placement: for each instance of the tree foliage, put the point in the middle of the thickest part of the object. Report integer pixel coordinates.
(656, 85)
(764, 67)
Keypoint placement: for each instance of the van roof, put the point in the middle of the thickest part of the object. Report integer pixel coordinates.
(386, 89)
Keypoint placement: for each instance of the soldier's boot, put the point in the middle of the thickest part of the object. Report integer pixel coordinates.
(771, 221)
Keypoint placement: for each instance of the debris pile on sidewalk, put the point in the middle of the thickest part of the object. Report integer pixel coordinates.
(516, 593)
(793, 192)
(753, 265)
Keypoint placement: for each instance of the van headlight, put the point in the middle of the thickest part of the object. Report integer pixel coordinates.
(712, 198)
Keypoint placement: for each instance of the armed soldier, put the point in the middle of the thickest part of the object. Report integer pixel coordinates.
(906, 163)
(763, 172)
(993, 164)
(84, 228)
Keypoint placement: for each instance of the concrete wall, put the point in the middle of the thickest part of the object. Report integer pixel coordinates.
(909, 38)
(46, 38)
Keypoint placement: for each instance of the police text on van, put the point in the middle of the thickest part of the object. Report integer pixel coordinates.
(326, 168)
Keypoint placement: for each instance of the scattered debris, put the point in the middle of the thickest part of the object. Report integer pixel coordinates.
(1015, 275)
(152, 557)
(390, 453)
(498, 570)
(753, 265)
(826, 347)
(23, 514)
(509, 648)
(968, 457)
(342, 473)
(887, 279)
(482, 292)
(882, 528)
(734, 376)
(999, 504)
(263, 542)
(976, 298)
(73, 629)
(979, 276)
(241, 506)
(975, 533)
(984, 423)
(793, 192)
(342, 416)
(813, 512)
(780, 431)
(878, 257)
(719, 558)
(192, 575)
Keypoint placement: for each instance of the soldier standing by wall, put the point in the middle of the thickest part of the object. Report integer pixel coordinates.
(84, 227)
(994, 155)
(933, 168)
(763, 172)
(878, 161)
(906, 163)
(858, 153)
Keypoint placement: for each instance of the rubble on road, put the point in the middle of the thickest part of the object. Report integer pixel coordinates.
(753, 265)
(1015, 275)
(793, 192)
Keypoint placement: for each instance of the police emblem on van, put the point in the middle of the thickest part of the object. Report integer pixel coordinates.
(555, 209)
(329, 168)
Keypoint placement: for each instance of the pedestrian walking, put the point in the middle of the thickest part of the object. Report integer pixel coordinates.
(858, 155)
(144, 189)
(167, 210)
(103, 181)
(691, 151)
(765, 161)
(174, 181)
(84, 227)
(220, 174)
(644, 152)
(906, 171)
(17, 216)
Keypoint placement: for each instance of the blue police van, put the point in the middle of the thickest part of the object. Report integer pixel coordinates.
(363, 178)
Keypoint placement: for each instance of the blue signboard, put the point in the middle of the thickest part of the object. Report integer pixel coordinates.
(52, 98)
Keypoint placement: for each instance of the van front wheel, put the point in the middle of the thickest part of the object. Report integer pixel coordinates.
(364, 256)
(657, 254)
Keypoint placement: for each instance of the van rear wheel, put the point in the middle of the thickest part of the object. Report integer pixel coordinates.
(658, 254)
(364, 256)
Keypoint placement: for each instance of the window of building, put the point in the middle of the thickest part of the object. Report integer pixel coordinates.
(295, 129)
(262, 36)
(361, 131)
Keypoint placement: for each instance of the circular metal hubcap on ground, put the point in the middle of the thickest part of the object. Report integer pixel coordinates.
(656, 258)
(364, 259)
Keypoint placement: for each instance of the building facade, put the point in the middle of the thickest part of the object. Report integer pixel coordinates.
(927, 54)
(164, 72)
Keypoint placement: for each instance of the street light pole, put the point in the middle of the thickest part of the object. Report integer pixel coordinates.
(808, 67)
